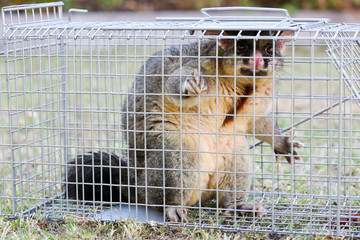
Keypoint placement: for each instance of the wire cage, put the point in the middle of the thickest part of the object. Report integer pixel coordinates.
(75, 90)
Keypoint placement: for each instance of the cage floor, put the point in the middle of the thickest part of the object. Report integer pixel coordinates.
(283, 216)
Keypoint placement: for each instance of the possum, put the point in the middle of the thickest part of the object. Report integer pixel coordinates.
(186, 122)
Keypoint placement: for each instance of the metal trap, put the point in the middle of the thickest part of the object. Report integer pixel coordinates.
(66, 88)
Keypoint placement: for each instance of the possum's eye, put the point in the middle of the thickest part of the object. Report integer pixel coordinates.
(241, 48)
(269, 50)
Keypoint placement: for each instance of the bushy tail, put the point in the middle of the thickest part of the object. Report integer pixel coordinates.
(95, 176)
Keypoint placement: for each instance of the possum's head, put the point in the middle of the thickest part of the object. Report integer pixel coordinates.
(259, 57)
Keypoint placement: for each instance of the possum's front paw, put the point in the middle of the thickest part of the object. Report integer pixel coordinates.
(195, 84)
(286, 146)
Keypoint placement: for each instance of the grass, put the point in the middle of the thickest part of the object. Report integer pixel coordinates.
(82, 228)
(94, 97)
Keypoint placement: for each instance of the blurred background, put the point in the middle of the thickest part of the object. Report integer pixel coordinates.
(152, 5)
(147, 10)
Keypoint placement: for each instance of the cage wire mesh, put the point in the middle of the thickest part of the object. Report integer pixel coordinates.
(67, 88)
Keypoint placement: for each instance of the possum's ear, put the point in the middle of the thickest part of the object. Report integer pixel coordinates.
(223, 43)
(281, 42)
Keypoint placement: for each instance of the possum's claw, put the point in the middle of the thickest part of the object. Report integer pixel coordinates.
(247, 209)
(195, 84)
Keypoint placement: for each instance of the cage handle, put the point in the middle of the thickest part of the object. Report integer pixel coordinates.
(75, 10)
(263, 9)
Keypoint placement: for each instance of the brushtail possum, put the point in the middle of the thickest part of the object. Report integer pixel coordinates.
(186, 121)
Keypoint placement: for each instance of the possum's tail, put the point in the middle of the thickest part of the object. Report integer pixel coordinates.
(95, 176)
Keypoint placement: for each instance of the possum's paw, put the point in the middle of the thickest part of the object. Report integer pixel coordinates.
(195, 84)
(176, 214)
(286, 147)
(247, 209)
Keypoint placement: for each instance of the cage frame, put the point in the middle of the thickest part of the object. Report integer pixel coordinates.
(335, 36)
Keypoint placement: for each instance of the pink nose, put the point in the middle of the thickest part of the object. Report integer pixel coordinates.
(259, 61)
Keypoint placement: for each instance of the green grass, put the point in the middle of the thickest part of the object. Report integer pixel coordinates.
(82, 228)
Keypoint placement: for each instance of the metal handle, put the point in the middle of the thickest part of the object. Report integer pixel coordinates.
(75, 10)
(281, 10)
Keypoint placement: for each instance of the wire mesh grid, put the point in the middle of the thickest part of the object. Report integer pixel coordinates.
(73, 88)
(32, 14)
